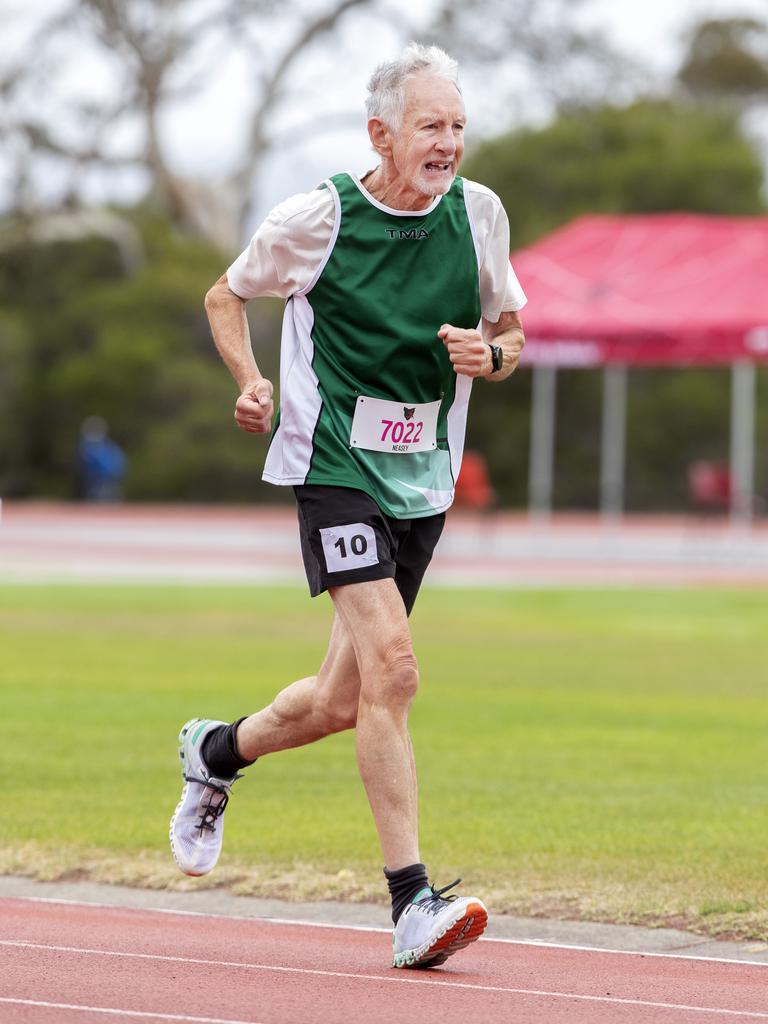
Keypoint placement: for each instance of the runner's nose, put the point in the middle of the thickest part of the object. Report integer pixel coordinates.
(446, 144)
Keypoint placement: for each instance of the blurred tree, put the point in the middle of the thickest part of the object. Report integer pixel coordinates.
(82, 336)
(159, 52)
(649, 156)
(16, 398)
(726, 58)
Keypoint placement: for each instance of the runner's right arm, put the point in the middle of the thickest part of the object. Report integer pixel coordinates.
(229, 326)
(279, 261)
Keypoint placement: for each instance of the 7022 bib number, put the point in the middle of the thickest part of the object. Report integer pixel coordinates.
(397, 427)
(400, 432)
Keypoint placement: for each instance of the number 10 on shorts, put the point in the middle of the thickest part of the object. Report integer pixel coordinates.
(352, 546)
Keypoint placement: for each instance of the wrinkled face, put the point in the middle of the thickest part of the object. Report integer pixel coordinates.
(429, 145)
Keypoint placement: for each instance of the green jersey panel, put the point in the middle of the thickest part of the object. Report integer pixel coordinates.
(368, 327)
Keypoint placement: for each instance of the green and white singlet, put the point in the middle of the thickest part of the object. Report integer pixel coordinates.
(368, 396)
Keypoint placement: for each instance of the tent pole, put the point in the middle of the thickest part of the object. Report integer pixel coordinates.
(542, 452)
(612, 444)
(742, 463)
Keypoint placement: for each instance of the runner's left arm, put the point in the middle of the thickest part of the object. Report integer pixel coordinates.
(470, 352)
(508, 333)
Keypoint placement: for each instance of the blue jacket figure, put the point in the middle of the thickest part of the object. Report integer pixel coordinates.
(101, 462)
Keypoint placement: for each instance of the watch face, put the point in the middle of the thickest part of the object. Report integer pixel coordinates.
(497, 357)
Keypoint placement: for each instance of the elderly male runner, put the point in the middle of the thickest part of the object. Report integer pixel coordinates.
(400, 293)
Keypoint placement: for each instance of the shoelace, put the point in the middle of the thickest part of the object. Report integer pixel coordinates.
(210, 811)
(433, 903)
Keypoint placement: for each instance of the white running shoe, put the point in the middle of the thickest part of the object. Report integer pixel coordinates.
(432, 928)
(197, 825)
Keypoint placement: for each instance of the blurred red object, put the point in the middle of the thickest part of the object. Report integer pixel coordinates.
(709, 485)
(473, 488)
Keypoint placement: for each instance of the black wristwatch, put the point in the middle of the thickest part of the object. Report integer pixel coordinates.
(497, 357)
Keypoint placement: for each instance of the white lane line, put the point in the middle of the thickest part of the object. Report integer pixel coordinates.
(394, 979)
(121, 1013)
(369, 928)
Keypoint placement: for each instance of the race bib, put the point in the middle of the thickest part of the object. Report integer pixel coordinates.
(352, 546)
(381, 426)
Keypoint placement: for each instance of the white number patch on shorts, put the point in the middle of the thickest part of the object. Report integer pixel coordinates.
(397, 427)
(352, 546)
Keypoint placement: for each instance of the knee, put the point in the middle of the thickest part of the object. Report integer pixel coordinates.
(397, 675)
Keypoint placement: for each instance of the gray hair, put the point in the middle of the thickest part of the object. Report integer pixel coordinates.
(386, 87)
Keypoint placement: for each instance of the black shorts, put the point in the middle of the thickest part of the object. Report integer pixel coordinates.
(346, 538)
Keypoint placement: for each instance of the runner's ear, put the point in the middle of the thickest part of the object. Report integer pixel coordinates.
(378, 133)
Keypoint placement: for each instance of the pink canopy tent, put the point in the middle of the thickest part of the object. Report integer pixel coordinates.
(645, 290)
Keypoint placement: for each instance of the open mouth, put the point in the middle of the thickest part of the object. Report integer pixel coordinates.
(437, 167)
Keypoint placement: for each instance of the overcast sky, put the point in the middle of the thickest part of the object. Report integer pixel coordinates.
(652, 28)
(201, 135)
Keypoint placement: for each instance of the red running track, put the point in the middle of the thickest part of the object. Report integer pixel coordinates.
(68, 963)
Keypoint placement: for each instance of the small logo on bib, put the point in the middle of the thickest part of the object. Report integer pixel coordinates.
(408, 413)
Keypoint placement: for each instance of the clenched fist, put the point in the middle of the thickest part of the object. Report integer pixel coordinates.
(254, 408)
(468, 352)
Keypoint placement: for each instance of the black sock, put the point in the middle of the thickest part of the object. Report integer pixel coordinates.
(220, 753)
(403, 884)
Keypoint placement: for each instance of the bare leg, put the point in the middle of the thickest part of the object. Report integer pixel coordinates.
(375, 618)
(310, 708)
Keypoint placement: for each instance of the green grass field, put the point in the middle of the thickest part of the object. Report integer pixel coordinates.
(594, 754)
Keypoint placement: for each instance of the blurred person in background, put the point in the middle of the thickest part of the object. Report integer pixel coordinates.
(399, 294)
(101, 462)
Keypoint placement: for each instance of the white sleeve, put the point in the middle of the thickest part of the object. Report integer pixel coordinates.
(500, 291)
(287, 248)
